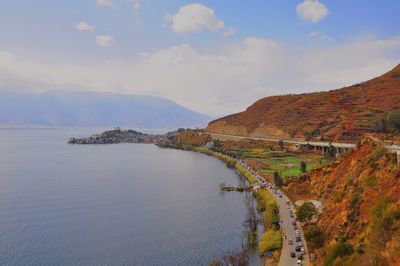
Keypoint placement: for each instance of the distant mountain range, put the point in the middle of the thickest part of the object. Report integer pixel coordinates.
(344, 114)
(62, 108)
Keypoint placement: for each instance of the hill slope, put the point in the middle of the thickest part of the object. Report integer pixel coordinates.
(361, 199)
(60, 108)
(343, 114)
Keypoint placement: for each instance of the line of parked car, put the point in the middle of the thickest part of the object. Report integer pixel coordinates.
(299, 247)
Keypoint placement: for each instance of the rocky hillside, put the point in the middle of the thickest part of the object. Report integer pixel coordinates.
(345, 114)
(360, 221)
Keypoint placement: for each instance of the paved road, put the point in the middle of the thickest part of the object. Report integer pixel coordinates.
(287, 227)
(393, 148)
(291, 141)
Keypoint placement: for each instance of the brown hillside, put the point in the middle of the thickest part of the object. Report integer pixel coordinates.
(361, 201)
(340, 115)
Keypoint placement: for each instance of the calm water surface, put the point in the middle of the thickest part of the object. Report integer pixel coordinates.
(124, 204)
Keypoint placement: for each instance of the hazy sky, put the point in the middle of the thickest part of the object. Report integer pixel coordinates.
(216, 57)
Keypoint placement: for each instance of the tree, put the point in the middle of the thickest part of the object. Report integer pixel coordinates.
(303, 167)
(306, 212)
(393, 120)
(281, 144)
(314, 236)
(331, 150)
(380, 126)
(277, 179)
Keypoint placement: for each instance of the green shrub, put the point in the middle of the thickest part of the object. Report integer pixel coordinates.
(271, 240)
(380, 207)
(377, 154)
(338, 196)
(371, 180)
(340, 249)
(393, 120)
(355, 200)
(260, 207)
(314, 236)
(252, 238)
(231, 163)
(214, 262)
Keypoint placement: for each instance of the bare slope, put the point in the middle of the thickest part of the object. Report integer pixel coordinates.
(343, 114)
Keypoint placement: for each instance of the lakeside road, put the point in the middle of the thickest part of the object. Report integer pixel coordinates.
(287, 228)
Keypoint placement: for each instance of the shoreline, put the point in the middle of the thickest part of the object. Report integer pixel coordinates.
(262, 195)
(270, 196)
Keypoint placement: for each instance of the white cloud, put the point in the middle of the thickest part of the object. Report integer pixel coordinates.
(195, 17)
(318, 35)
(136, 4)
(216, 81)
(229, 32)
(105, 40)
(104, 2)
(83, 26)
(312, 10)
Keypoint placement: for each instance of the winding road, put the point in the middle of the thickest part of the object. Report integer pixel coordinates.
(286, 222)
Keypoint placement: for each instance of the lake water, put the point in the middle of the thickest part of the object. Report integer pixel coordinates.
(123, 204)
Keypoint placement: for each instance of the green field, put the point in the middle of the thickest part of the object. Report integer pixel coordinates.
(286, 163)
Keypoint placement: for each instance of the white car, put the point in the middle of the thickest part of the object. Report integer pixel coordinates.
(299, 262)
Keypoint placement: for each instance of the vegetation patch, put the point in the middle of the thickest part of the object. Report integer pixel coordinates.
(314, 236)
(306, 212)
(371, 180)
(271, 240)
(246, 174)
(338, 250)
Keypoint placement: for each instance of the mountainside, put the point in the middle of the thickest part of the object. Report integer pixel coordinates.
(61, 108)
(361, 203)
(339, 115)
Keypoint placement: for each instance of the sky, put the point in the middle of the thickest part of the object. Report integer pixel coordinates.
(216, 57)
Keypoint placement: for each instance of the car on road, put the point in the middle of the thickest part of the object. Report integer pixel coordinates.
(299, 262)
(290, 242)
(300, 257)
(294, 222)
(292, 254)
(297, 248)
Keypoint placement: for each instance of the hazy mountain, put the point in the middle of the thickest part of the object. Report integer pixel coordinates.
(61, 108)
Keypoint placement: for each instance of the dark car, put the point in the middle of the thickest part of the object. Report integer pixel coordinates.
(292, 254)
(293, 222)
(300, 257)
(297, 249)
(298, 239)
